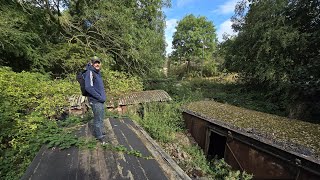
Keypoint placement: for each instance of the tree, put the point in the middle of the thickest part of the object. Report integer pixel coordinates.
(22, 34)
(59, 35)
(277, 48)
(195, 38)
(129, 33)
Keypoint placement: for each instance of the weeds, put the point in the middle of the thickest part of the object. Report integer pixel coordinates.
(161, 120)
(215, 169)
(123, 149)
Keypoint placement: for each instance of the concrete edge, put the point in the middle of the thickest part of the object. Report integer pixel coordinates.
(170, 162)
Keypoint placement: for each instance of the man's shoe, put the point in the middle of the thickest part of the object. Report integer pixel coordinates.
(103, 141)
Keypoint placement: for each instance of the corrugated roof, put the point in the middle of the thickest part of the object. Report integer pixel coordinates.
(77, 100)
(144, 96)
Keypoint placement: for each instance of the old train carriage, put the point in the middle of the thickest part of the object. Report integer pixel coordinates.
(268, 146)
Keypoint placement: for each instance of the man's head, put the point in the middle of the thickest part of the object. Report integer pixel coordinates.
(96, 63)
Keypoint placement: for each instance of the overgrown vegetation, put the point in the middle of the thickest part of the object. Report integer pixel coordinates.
(286, 131)
(28, 102)
(30, 105)
(119, 83)
(275, 56)
(164, 123)
(277, 51)
(161, 121)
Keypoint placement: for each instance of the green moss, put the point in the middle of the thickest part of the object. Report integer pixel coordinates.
(278, 128)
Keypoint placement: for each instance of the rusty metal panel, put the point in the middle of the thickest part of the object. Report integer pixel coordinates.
(264, 166)
(198, 129)
(188, 121)
(303, 175)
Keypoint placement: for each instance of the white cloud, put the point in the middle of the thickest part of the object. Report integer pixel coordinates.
(170, 29)
(225, 27)
(181, 3)
(226, 8)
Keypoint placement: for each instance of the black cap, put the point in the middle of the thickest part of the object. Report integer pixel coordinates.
(95, 59)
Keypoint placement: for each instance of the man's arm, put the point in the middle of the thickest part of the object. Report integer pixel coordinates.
(89, 86)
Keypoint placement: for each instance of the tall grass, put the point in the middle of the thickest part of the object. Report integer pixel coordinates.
(163, 121)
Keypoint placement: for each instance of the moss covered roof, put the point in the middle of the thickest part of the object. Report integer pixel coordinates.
(280, 129)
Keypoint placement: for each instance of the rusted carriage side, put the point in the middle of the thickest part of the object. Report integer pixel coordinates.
(244, 150)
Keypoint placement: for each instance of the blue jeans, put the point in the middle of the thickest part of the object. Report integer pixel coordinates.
(98, 116)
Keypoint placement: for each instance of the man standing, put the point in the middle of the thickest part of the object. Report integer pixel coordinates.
(97, 96)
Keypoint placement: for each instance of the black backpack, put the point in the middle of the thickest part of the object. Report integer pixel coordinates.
(81, 79)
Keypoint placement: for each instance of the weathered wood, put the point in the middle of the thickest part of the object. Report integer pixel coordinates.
(99, 163)
(128, 131)
(141, 97)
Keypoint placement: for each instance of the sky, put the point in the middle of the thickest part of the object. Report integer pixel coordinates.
(217, 11)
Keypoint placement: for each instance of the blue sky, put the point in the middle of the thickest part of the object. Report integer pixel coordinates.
(217, 11)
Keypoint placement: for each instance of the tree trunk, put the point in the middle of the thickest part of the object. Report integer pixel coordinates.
(188, 66)
(299, 110)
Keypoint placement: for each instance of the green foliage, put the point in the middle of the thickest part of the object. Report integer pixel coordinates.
(25, 33)
(277, 49)
(195, 40)
(130, 32)
(209, 68)
(198, 160)
(215, 169)
(123, 149)
(28, 100)
(222, 170)
(192, 36)
(65, 58)
(180, 91)
(236, 94)
(28, 92)
(222, 88)
(118, 83)
(18, 44)
(161, 120)
(40, 36)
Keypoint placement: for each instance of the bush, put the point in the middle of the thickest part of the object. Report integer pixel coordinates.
(161, 120)
(119, 83)
(28, 101)
(210, 69)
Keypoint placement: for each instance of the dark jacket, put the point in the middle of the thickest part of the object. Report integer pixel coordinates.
(94, 85)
